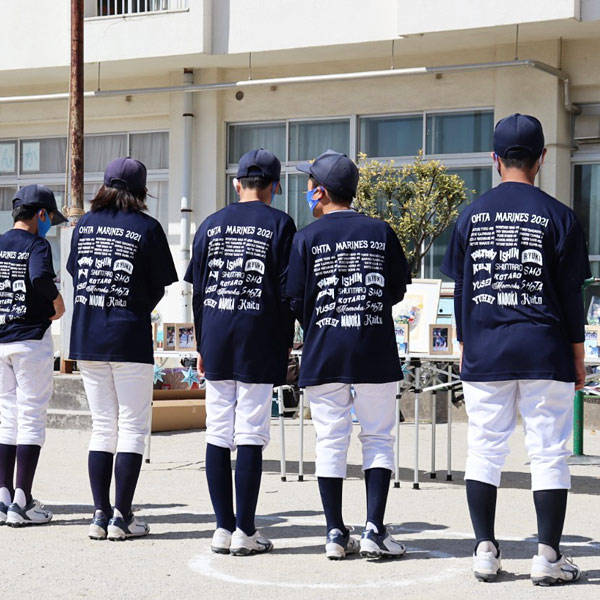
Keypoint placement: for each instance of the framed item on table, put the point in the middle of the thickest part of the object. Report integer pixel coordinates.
(169, 336)
(440, 339)
(402, 332)
(184, 336)
(419, 308)
(592, 341)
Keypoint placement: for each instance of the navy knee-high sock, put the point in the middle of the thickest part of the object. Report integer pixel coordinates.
(218, 475)
(100, 467)
(481, 498)
(377, 483)
(331, 497)
(248, 473)
(27, 460)
(127, 471)
(8, 457)
(551, 508)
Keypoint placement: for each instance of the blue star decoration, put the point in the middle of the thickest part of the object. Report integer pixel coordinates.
(159, 373)
(190, 376)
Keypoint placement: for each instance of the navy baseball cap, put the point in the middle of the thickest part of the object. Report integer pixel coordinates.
(518, 136)
(126, 174)
(39, 196)
(260, 163)
(335, 171)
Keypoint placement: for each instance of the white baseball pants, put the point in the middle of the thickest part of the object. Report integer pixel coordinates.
(26, 371)
(374, 404)
(120, 399)
(547, 413)
(237, 413)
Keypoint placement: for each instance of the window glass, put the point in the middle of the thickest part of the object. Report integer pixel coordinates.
(391, 136)
(243, 138)
(297, 205)
(453, 133)
(43, 156)
(7, 193)
(150, 148)
(8, 157)
(158, 202)
(478, 179)
(99, 150)
(586, 203)
(308, 139)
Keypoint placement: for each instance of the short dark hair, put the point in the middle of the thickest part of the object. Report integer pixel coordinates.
(525, 163)
(335, 198)
(119, 199)
(255, 183)
(24, 213)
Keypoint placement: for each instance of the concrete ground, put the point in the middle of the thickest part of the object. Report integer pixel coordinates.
(58, 561)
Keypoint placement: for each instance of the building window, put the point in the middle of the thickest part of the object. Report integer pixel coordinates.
(462, 140)
(43, 161)
(109, 8)
(586, 203)
(384, 137)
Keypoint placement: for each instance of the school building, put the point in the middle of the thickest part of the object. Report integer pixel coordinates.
(383, 77)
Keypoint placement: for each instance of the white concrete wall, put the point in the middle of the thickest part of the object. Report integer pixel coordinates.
(427, 16)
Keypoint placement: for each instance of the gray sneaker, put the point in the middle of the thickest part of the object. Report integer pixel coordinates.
(33, 514)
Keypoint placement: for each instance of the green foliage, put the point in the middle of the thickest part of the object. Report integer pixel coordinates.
(418, 200)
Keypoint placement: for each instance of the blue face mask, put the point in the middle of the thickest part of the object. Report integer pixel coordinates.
(274, 191)
(44, 226)
(310, 200)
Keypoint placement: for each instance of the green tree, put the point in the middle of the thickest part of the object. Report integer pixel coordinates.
(418, 200)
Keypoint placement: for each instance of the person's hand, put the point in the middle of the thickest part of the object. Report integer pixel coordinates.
(578, 356)
(59, 308)
(289, 352)
(200, 368)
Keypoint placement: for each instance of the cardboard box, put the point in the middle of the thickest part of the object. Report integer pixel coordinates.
(178, 415)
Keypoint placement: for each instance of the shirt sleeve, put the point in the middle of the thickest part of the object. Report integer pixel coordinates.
(72, 260)
(398, 271)
(193, 275)
(40, 261)
(573, 269)
(283, 258)
(161, 270)
(453, 267)
(296, 278)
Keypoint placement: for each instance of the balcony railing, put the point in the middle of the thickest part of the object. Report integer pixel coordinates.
(110, 8)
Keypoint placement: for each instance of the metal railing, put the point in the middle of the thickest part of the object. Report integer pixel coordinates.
(111, 8)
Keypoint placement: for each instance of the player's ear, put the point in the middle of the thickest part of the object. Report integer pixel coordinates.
(543, 156)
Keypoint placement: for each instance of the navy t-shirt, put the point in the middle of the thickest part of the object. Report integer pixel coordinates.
(25, 258)
(120, 263)
(346, 272)
(519, 259)
(238, 270)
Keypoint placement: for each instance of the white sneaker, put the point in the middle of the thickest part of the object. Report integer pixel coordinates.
(33, 514)
(99, 526)
(3, 513)
(380, 545)
(122, 529)
(244, 545)
(487, 565)
(338, 545)
(544, 572)
(221, 541)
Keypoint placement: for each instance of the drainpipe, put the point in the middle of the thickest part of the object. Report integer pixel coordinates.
(186, 193)
(211, 87)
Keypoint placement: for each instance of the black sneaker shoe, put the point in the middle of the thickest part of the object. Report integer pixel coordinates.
(380, 545)
(99, 526)
(338, 545)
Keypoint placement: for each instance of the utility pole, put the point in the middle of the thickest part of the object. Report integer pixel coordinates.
(75, 198)
(76, 111)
